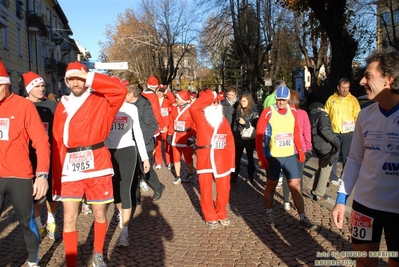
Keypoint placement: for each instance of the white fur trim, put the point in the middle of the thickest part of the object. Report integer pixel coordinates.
(4, 80)
(33, 83)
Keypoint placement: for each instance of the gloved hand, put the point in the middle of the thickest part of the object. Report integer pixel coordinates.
(301, 156)
(190, 141)
(332, 156)
(308, 156)
(169, 139)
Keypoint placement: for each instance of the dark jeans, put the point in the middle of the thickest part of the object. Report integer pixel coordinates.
(251, 162)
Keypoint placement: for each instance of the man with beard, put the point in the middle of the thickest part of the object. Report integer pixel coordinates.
(215, 157)
(81, 162)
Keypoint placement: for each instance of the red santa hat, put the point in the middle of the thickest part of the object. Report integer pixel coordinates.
(31, 79)
(72, 68)
(184, 96)
(4, 77)
(152, 82)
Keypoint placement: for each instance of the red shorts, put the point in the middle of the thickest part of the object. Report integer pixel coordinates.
(98, 190)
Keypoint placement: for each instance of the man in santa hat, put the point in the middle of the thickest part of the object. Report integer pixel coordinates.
(166, 100)
(215, 157)
(180, 135)
(81, 162)
(20, 123)
(35, 87)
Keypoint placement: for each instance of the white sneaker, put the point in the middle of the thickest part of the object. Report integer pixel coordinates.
(158, 167)
(287, 206)
(123, 239)
(86, 209)
(144, 186)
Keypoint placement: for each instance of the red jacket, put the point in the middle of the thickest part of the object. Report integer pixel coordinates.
(90, 125)
(19, 123)
(181, 125)
(220, 162)
(166, 106)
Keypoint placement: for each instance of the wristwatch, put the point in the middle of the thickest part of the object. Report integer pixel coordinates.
(42, 175)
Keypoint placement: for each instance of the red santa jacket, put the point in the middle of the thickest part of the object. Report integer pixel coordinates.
(156, 108)
(166, 103)
(181, 125)
(216, 149)
(89, 125)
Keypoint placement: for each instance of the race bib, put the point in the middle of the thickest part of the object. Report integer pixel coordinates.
(81, 161)
(119, 123)
(4, 128)
(220, 141)
(180, 126)
(361, 226)
(164, 112)
(284, 139)
(46, 126)
(348, 126)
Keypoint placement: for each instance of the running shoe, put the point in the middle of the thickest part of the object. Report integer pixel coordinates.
(98, 260)
(123, 239)
(212, 224)
(269, 219)
(306, 224)
(144, 186)
(177, 181)
(52, 230)
(86, 209)
(225, 222)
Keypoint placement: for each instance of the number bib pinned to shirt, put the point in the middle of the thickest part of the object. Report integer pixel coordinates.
(284, 139)
(348, 126)
(120, 123)
(164, 112)
(180, 126)
(362, 226)
(81, 161)
(220, 141)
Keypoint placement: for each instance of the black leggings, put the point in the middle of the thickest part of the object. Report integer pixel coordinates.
(124, 161)
(20, 193)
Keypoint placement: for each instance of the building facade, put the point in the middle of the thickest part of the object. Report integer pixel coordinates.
(35, 36)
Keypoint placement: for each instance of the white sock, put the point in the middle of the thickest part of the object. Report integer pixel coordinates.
(50, 217)
(38, 222)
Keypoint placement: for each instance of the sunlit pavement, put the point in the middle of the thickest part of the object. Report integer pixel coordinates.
(172, 232)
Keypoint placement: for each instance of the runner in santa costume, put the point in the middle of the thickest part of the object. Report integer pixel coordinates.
(180, 135)
(166, 100)
(81, 163)
(215, 156)
(19, 124)
(149, 93)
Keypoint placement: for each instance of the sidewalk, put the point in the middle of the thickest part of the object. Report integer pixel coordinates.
(172, 232)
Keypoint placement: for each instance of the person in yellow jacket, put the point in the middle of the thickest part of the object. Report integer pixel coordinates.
(342, 108)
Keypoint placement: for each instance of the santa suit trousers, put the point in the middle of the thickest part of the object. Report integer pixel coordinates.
(162, 145)
(214, 210)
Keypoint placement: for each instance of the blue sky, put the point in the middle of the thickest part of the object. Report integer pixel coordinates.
(88, 19)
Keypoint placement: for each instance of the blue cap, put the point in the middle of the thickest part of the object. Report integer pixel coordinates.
(282, 92)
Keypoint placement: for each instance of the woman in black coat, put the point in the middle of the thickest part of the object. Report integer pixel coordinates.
(246, 116)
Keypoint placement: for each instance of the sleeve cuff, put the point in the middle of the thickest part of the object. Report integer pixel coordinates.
(341, 198)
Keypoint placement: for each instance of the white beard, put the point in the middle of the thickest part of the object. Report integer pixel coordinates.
(214, 115)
